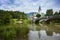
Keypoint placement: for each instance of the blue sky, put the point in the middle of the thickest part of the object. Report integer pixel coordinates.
(29, 5)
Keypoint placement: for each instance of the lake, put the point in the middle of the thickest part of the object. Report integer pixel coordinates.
(44, 32)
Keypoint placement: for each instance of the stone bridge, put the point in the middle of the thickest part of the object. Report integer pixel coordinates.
(47, 18)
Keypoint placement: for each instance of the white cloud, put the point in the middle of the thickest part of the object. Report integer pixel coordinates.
(29, 5)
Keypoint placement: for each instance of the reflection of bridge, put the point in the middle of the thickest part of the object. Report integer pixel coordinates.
(47, 18)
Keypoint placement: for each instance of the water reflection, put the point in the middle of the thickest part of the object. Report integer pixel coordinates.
(33, 35)
(42, 34)
(49, 33)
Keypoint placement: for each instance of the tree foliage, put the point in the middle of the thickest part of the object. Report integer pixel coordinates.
(59, 12)
(56, 13)
(38, 15)
(18, 15)
(49, 12)
(5, 16)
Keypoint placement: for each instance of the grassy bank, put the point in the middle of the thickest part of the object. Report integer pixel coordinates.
(14, 31)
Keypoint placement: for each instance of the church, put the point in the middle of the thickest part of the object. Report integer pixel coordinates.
(32, 15)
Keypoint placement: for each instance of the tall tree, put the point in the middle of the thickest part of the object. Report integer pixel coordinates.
(49, 12)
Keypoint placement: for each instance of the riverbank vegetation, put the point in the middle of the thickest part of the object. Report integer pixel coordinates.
(14, 24)
(50, 12)
(55, 27)
(10, 29)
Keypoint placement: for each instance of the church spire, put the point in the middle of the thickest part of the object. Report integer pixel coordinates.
(39, 10)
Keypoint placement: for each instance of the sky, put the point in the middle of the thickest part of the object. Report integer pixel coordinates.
(29, 5)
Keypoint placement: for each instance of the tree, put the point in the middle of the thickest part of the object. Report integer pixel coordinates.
(38, 15)
(18, 15)
(59, 12)
(56, 13)
(4, 17)
(49, 12)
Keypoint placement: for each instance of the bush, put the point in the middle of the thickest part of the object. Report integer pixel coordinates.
(22, 31)
(30, 21)
(7, 33)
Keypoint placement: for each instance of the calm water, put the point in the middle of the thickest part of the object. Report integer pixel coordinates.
(43, 32)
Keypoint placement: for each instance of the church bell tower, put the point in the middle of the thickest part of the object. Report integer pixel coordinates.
(39, 10)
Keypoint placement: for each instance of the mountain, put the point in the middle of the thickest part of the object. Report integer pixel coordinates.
(42, 14)
(30, 14)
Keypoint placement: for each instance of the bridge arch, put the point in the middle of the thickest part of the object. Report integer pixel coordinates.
(48, 19)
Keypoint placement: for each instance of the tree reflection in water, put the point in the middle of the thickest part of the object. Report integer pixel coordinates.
(43, 32)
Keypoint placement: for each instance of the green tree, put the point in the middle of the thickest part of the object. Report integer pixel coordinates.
(18, 15)
(49, 12)
(38, 15)
(56, 13)
(59, 12)
(4, 17)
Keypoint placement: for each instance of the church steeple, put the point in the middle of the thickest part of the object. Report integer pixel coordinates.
(39, 10)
